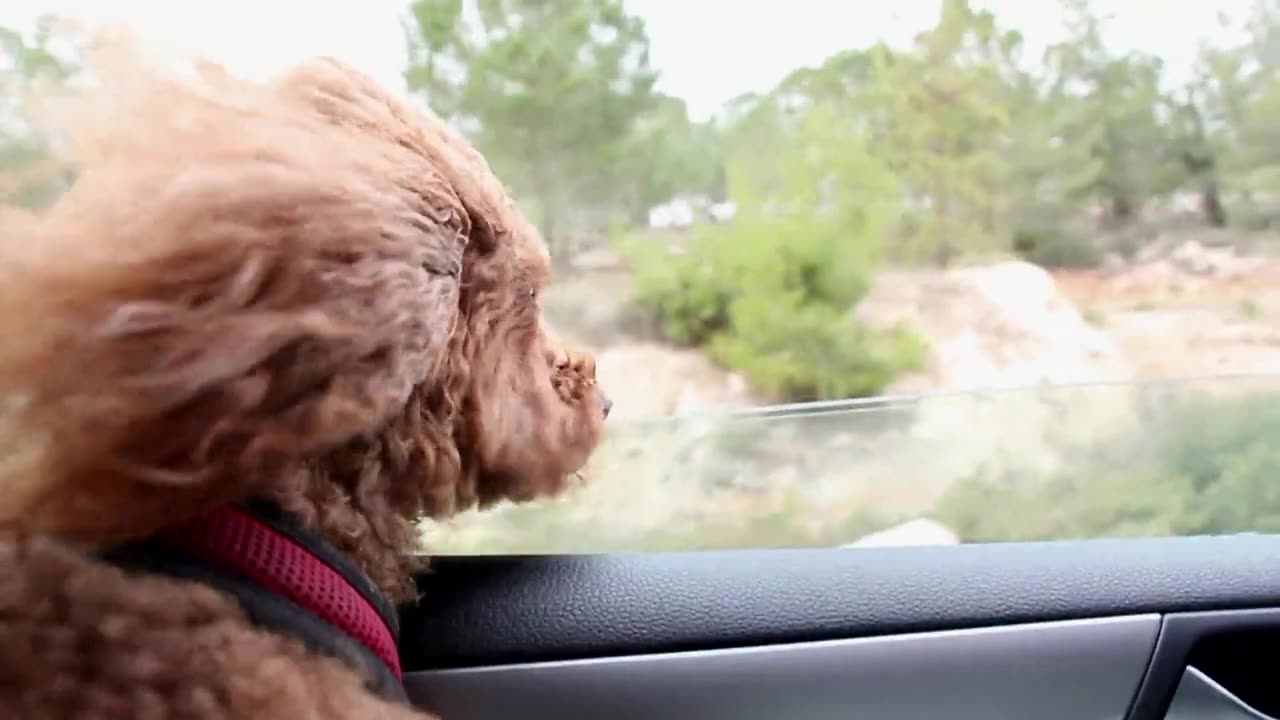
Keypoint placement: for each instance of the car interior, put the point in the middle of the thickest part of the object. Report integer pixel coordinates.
(1083, 630)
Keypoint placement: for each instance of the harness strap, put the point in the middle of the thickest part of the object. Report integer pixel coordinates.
(287, 580)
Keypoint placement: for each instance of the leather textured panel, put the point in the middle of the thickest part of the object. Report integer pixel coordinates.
(495, 610)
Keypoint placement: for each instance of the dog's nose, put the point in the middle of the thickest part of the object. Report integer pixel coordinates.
(605, 403)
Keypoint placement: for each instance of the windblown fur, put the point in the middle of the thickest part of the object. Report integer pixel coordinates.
(303, 291)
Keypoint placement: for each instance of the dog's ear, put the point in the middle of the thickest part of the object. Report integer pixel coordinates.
(200, 321)
(352, 100)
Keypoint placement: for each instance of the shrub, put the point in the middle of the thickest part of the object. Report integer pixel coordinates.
(772, 301)
(1054, 246)
(1198, 465)
(29, 177)
(688, 294)
(811, 351)
(770, 295)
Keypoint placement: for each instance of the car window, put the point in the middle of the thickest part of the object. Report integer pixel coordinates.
(926, 271)
(1102, 460)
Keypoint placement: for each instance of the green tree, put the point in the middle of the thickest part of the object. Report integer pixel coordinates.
(1221, 88)
(45, 57)
(1236, 91)
(1118, 99)
(1193, 148)
(1258, 124)
(549, 90)
(1049, 146)
(668, 154)
(937, 116)
(944, 108)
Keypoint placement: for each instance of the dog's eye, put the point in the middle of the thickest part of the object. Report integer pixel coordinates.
(533, 293)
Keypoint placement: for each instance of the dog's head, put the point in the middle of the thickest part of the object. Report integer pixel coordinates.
(253, 289)
(524, 413)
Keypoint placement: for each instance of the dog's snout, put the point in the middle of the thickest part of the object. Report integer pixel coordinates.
(605, 403)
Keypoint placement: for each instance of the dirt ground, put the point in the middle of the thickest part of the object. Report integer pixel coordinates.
(1183, 319)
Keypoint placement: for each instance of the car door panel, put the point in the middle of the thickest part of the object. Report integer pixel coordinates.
(1064, 629)
(1072, 670)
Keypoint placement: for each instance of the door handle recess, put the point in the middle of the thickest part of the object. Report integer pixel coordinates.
(1199, 697)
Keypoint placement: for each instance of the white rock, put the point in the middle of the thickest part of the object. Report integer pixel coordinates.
(921, 531)
(1004, 325)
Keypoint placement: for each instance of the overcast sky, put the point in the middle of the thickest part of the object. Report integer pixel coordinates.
(707, 50)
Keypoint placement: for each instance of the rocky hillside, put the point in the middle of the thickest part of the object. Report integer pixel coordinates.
(1189, 311)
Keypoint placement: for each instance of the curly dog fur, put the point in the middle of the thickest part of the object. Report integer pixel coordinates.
(304, 292)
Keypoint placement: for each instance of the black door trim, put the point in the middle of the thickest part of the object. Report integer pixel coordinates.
(511, 609)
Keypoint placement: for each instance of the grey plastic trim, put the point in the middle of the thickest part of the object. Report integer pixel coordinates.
(1067, 670)
(1200, 698)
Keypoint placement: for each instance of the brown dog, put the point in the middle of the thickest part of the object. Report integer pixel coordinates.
(304, 295)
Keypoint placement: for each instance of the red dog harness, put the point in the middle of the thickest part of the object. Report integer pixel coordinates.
(287, 580)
